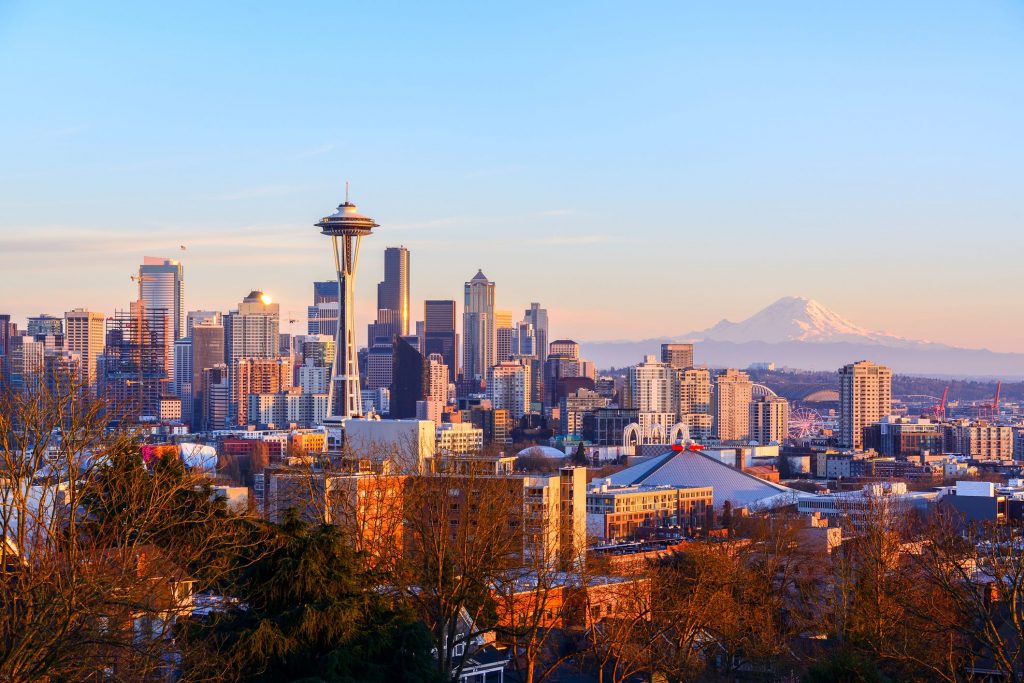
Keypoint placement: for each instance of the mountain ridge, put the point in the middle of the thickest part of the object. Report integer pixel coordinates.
(802, 333)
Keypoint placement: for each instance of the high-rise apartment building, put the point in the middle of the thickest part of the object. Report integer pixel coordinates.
(769, 419)
(731, 405)
(478, 328)
(508, 388)
(259, 376)
(694, 393)
(538, 317)
(393, 291)
(503, 332)
(651, 387)
(865, 397)
(24, 362)
(439, 333)
(252, 330)
(85, 335)
(651, 392)
(677, 356)
(162, 285)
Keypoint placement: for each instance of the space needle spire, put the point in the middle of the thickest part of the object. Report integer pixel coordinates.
(346, 227)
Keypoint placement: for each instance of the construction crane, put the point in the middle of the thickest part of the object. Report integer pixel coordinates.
(991, 410)
(938, 411)
(995, 400)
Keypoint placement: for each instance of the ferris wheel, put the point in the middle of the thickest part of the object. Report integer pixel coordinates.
(804, 422)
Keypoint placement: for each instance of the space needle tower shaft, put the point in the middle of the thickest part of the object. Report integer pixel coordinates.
(346, 227)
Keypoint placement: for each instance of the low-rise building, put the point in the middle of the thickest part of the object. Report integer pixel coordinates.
(617, 512)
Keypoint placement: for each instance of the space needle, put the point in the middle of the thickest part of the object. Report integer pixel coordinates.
(346, 227)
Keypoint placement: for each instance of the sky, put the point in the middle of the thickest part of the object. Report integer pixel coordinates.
(641, 169)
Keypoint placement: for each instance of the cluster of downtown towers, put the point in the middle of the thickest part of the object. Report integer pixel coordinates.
(161, 361)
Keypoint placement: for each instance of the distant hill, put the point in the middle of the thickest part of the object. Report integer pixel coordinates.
(802, 333)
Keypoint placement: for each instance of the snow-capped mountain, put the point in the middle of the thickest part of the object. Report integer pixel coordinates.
(801, 333)
(794, 318)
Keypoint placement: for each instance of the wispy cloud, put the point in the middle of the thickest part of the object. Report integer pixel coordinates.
(445, 222)
(316, 151)
(555, 212)
(257, 192)
(59, 240)
(568, 240)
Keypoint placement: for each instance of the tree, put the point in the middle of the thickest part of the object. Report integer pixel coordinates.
(98, 552)
(463, 533)
(308, 610)
(580, 458)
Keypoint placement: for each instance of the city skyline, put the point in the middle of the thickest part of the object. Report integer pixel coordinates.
(783, 130)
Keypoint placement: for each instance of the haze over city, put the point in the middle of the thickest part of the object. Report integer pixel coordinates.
(511, 343)
(660, 167)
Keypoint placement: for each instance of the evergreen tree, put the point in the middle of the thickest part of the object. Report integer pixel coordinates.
(307, 612)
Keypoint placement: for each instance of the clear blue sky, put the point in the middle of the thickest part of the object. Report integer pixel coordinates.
(639, 168)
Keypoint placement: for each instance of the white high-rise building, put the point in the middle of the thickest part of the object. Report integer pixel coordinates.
(769, 419)
(865, 397)
(651, 387)
(85, 334)
(732, 397)
(162, 285)
(253, 330)
(508, 388)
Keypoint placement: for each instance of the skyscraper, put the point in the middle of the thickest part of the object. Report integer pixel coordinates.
(524, 341)
(6, 333)
(162, 285)
(393, 291)
(732, 397)
(439, 333)
(678, 356)
(252, 330)
(538, 317)
(410, 379)
(85, 336)
(503, 332)
(183, 374)
(346, 228)
(478, 329)
(865, 397)
(207, 352)
(322, 316)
